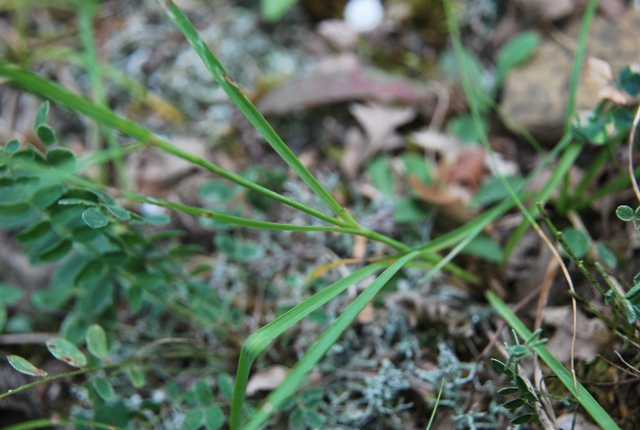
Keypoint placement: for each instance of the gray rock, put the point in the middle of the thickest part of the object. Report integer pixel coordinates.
(535, 95)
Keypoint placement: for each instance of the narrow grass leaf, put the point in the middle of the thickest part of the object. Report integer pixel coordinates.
(22, 365)
(101, 114)
(259, 340)
(230, 87)
(322, 345)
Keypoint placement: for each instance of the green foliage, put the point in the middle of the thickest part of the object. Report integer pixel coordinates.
(108, 261)
(23, 366)
(273, 10)
(529, 398)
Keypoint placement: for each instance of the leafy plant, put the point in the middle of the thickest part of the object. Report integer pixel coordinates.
(529, 398)
(107, 255)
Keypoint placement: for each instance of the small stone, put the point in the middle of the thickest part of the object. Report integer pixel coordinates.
(535, 95)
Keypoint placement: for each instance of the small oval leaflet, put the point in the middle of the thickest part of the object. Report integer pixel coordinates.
(23, 366)
(118, 212)
(43, 113)
(46, 134)
(97, 342)
(95, 217)
(624, 212)
(12, 146)
(104, 388)
(136, 376)
(56, 251)
(65, 351)
(62, 159)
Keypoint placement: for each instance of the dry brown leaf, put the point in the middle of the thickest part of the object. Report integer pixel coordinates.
(446, 146)
(591, 336)
(379, 123)
(467, 170)
(598, 78)
(452, 201)
(267, 379)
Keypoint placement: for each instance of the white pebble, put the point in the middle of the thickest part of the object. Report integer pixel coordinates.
(364, 15)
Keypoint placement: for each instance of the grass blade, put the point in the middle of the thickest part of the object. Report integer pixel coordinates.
(44, 88)
(594, 409)
(229, 86)
(321, 346)
(259, 340)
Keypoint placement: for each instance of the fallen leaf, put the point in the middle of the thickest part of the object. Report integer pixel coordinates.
(267, 379)
(324, 86)
(451, 201)
(592, 334)
(379, 123)
(467, 170)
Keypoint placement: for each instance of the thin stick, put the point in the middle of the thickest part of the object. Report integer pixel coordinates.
(632, 139)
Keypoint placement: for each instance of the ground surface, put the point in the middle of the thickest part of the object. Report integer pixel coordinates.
(382, 120)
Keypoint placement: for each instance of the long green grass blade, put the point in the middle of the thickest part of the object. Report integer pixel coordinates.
(322, 345)
(230, 87)
(578, 60)
(259, 340)
(86, 14)
(36, 85)
(594, 409)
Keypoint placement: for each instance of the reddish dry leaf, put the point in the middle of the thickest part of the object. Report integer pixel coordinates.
(451, 201)
(467, 171)
(322, 87)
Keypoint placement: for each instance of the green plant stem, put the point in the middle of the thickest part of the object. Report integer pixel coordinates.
(578, 61)
(86, 15)
(319, 348)
(590, 173)
(593, 408)
(51, 423)
(105, 367)
(48, 90)
(262, 338)
(615, 185)
(567, 160)
(232, 89)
